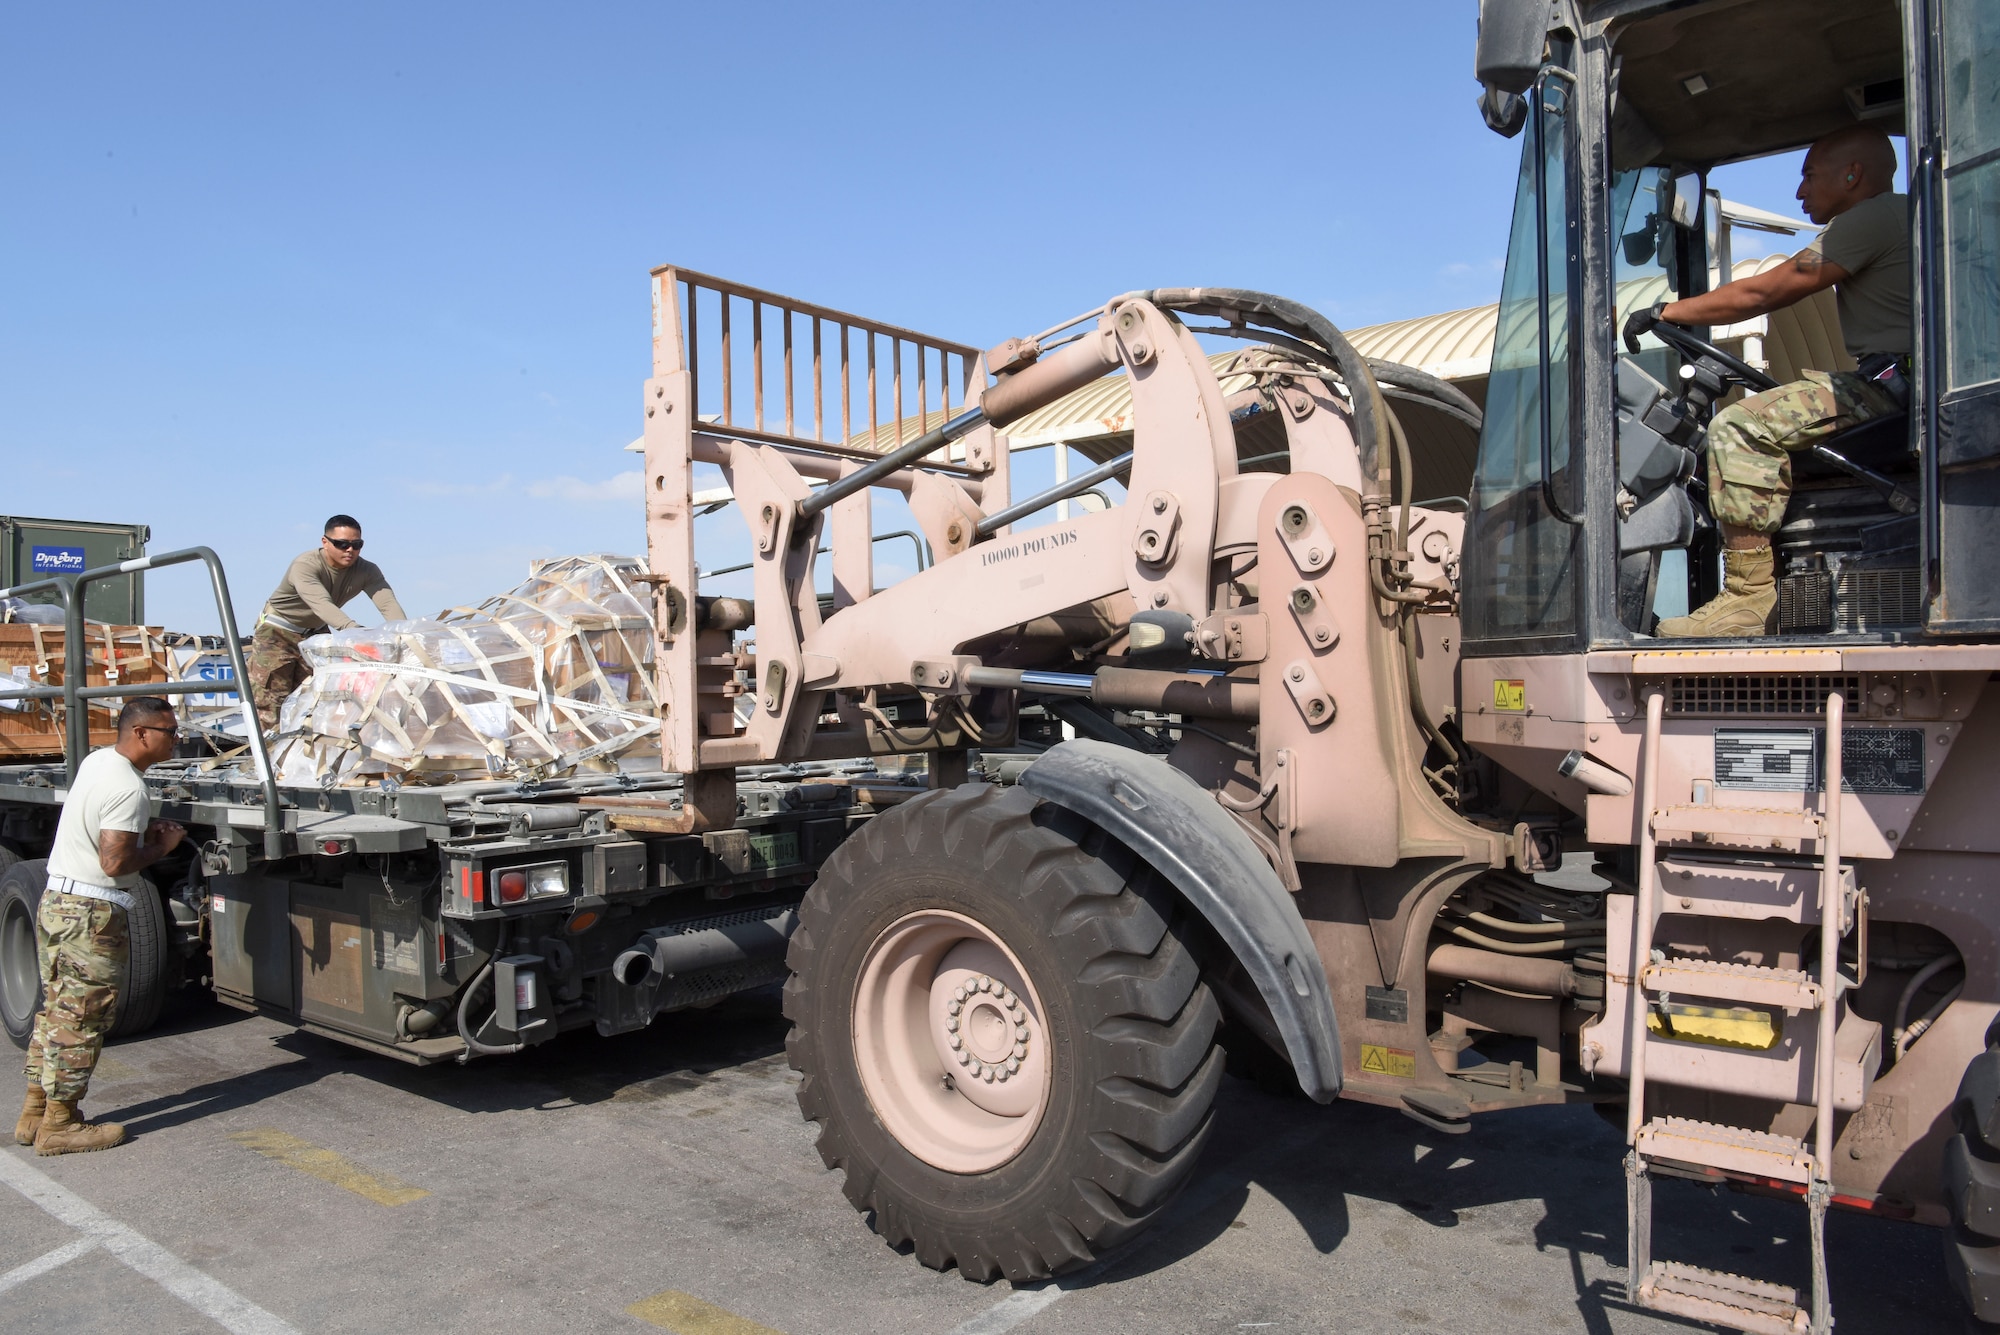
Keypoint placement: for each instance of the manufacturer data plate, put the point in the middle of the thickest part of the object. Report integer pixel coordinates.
(1882, 760)
(1388, 1004)
(1778, 759)
(1872, 760)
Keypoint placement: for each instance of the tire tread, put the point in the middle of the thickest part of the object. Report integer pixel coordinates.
(1144, 1006)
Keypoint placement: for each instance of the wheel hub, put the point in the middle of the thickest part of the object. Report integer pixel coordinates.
(949, 1041)
(986, 1027)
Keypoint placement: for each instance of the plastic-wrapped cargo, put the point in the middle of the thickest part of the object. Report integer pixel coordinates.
(553, 676)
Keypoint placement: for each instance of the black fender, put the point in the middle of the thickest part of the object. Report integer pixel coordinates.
(1179, 828)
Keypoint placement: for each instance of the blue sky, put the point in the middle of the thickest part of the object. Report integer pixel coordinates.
(264, 262)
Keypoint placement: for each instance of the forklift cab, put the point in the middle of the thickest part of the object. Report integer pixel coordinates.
(1590, 470)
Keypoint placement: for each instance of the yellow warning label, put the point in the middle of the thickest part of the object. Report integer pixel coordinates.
(1510, 695)
(1378, 1060)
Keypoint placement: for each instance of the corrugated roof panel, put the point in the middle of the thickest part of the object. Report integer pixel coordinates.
(1452, 345)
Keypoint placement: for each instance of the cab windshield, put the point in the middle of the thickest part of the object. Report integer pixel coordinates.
(1522, 543)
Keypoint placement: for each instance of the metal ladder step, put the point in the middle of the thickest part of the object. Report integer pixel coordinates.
(1670, 1287)
(1729, 1148)
(1751, 984)
(1759, 828)
(1722, 1299)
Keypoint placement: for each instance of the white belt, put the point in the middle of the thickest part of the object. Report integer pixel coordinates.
(63, 885)
(282, 624)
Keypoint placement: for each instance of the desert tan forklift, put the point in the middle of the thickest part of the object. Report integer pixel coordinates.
(1324, 739)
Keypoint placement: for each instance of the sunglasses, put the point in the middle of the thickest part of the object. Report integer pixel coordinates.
(154, 727)
(346, 544)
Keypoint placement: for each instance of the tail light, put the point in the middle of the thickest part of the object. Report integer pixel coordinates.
(546, 881)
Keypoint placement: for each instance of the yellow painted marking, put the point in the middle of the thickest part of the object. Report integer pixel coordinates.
(685, 1314)
(1737, 1027)
(1378, 1060)
(327, 1166)
(1510, 695)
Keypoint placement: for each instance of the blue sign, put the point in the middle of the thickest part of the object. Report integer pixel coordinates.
(57, 561)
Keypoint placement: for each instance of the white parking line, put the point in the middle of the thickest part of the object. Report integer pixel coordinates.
(46, 1262)
(205, 1294)
(1010, 1311)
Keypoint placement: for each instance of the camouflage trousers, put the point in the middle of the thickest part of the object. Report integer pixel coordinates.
(1750, 443)
(276, 668)
(81, 945)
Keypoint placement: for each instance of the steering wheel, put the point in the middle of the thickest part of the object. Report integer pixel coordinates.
(1694, 346)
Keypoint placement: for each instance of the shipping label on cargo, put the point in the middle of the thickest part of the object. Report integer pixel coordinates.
(19, 676)
(206, 665)
(56, 560)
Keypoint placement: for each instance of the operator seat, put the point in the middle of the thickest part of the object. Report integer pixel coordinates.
(1881, 443)
(1848, 560)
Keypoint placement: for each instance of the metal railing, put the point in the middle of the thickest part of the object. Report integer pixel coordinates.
(74, 691)
(814, 343)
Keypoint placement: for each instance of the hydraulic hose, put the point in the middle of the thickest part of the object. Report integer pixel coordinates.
(1555, 947)
(472, 1045)
(1900, 1034)
(1569, 928)
(1441, 394)
(1314, 328)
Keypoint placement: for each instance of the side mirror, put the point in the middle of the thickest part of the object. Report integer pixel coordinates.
(1513, 34)
(1640, 246)
(1504, 113)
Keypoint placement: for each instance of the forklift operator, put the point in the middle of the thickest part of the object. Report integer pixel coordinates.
(1847, 184)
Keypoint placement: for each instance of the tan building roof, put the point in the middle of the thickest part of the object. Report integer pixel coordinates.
(1456, 346)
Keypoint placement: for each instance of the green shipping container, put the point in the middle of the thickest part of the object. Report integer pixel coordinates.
(34, 549)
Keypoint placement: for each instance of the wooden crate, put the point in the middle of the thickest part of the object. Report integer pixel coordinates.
(32, 655)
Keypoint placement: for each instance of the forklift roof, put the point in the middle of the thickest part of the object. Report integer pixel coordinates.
(1735, 79)
(1717, 81)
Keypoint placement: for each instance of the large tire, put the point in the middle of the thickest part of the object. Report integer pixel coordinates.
(1083, 947)
(20, 971)
(1972, 1191)
(141, 992)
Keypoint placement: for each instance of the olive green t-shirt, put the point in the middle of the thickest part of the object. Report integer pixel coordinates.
(313, 592)
(1872, 242)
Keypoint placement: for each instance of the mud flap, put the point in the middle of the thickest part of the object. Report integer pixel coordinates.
(1177, 827)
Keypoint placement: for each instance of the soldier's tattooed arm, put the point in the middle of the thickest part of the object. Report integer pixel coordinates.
(1759, 294)
(121, 852)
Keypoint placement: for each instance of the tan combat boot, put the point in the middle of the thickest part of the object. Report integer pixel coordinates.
(65, 1132)
(31, 1116)
(1746, 606)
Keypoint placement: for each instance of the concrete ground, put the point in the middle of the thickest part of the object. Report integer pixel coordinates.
(279, 1182)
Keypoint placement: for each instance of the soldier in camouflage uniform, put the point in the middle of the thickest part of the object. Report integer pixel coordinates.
(276, 668)
(1750, 443)
(1847, 183)
(82, 946)
(306, 602)
(107, 833)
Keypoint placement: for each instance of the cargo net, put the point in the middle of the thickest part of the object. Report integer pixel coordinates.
(552, 677)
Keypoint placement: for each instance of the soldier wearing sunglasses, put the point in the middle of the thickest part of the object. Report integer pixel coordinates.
(307, 601)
